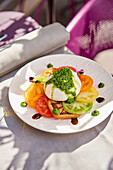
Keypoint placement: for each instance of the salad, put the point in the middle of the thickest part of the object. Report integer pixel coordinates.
(61, 93)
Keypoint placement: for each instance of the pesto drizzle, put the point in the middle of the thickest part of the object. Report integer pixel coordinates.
(53, 87)
(63, 79)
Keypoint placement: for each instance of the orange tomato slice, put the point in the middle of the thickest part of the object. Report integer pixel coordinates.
(86, 82)
(33, 93)
(49, 71)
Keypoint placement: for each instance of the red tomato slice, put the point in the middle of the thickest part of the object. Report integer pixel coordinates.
(42, 106)
(72, 68)
(86, 82)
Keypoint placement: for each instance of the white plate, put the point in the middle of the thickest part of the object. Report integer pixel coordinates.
(21, 81)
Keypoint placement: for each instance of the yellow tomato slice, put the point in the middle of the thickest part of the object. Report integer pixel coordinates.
(33, 93)
(87, 96)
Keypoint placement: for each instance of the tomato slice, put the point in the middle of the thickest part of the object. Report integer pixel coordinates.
(77, 107)
(42, 106)
(33, 93)
(86, 82)
(87, 96)
(72, 68)
(49, 71)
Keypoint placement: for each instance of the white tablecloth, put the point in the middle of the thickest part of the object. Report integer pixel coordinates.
(23, 147)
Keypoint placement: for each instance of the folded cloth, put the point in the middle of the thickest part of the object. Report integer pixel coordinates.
(31, 46)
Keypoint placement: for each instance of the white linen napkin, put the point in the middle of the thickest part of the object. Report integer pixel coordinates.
(31, 46)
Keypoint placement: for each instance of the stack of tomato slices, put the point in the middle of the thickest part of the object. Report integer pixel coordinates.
(35, 97)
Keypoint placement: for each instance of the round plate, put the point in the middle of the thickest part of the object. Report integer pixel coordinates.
(21, 81)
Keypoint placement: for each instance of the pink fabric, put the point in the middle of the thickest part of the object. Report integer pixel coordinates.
(90, 30)
(15, 25)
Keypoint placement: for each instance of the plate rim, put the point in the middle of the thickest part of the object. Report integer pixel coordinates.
(42, 58)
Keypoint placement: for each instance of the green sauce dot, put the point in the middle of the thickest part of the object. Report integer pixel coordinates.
(49, 65)
(56, 111)
(95, 113)
(101, 85)
(23, 104)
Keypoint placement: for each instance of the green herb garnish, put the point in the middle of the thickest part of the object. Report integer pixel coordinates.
(49, 65)
(56, 111)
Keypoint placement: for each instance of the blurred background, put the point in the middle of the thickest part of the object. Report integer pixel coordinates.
(62, 10)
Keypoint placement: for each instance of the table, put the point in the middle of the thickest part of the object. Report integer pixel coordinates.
(23, 147)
